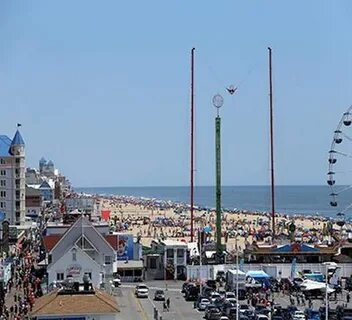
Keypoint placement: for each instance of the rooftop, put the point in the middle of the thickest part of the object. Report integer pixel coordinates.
(173, 243)
(5, 143)
(131, 264)
(57, 303)
(17, 139)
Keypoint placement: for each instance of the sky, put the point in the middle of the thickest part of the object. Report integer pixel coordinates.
(103, 87)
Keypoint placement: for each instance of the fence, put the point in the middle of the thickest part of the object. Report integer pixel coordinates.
(277, 270)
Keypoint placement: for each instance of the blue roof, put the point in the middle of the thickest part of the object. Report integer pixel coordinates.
(257, 274)
(295, 248)
(45, 185)
(17, 139)
(5, 143)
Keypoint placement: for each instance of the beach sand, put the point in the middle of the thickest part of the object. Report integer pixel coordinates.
(134, 214)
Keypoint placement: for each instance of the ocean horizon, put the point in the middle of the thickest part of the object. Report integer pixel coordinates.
(290, 199)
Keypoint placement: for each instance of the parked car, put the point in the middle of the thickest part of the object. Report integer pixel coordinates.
(214, 296)
(141, 291)
(231, 313)
(230, 294)
(213, 314)
(203, 303)
(220, 276)
(192, 293)
(208, 308)
(211, 284)
(262, 317)
(299, 315)
(159, 295)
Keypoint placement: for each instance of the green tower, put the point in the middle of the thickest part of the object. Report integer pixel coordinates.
(218, 102)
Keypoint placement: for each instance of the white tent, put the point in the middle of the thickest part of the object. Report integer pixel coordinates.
(308, 285)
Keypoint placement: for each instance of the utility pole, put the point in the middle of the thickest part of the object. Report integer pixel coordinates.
(192, 140)
(237, 310)
(271, 144)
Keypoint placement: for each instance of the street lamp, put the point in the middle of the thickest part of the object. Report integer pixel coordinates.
(327, 265)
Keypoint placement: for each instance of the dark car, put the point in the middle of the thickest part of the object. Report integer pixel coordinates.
(211, 284)
(192, 293)
(220, 276)
(159, 295)
(212, 313)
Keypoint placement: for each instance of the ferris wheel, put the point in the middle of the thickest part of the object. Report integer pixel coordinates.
(340, 166)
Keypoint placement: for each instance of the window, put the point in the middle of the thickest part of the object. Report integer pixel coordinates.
(3, 194)
(2, 161)
(18, 160)
(107, 259)
(3, 205)
(170, 253)
(2, 183)
(74, 254)
(2, 172)
(89, 274)
(152, 263)
(60, 276)
(180, 253)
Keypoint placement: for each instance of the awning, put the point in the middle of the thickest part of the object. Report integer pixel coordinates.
(257, 274)
(131, 264)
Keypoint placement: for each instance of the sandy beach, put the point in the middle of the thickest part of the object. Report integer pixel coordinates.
(167, 220)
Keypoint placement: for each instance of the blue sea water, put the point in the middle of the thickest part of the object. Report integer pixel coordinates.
(306, 200)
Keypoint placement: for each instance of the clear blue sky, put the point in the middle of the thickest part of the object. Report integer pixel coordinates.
(102, 87)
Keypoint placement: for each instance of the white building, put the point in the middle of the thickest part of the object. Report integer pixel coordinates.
(168, 260)
(12, 178)
(81, 250)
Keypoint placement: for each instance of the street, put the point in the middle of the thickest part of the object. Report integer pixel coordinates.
(143, 309)
(134, 308)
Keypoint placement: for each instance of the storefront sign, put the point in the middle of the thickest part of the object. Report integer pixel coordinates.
(73, 270)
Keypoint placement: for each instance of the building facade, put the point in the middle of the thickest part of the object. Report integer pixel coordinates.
(81, 250)
(12, 179)
(34, 201)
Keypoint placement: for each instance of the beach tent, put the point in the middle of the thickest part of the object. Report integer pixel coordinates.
(257, 275)
(308, 285)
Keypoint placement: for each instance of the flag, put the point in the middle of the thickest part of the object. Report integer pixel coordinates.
(105, 214)
(293, 268)
(19, 125)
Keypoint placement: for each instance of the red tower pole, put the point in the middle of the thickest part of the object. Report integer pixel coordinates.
(271, 143)
(192, 139)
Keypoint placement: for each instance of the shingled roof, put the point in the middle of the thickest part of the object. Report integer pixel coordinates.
(56, 304)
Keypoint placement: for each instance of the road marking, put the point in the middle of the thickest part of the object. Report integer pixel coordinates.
(144, 314)
(151, 288)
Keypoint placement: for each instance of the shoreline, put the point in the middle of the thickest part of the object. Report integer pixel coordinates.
(170, 204)
(309, 201)
(152, 219)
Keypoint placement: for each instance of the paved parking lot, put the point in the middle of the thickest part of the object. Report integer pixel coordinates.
(143, 309)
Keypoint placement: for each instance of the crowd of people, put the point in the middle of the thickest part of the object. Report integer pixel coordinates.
(155, 219)
(25, 284)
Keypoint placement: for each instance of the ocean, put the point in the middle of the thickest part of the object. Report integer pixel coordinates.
(305, 200)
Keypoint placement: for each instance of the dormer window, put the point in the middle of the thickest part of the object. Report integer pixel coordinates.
(74, 254)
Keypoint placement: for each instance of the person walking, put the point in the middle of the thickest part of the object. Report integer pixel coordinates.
(168, 304)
